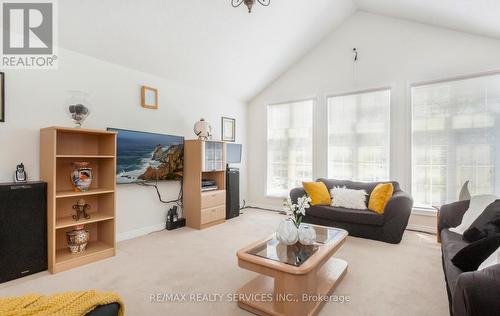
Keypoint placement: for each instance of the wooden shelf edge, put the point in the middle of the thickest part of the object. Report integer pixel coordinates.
(212, 191)
(93, 248)
(68, 221)
(67, 265)
(86, 156)
(80, 130)
(65, 194)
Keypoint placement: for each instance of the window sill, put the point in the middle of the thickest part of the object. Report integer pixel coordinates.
(276, 196)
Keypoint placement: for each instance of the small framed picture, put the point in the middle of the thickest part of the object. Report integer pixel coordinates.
(228, 129)
(2, 97)
(149, 98)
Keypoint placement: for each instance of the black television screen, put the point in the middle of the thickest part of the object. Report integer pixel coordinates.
(143, 156)
(233, 153)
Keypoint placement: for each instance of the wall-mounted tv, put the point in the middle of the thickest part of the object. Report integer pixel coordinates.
(143, 156)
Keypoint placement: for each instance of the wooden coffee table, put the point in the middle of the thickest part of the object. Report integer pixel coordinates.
(293, 280)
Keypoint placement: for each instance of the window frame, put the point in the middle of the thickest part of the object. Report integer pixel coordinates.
(314, 101)
(389, 135)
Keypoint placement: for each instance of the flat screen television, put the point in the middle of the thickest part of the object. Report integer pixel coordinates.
(233, 153)
(143, 156)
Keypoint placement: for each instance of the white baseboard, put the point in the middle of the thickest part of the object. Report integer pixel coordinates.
(139, 232)
(422, 228)
(263, 205)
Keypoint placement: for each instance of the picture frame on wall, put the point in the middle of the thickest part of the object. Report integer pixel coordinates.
(228, 129)
(149, 98)
(2, 97)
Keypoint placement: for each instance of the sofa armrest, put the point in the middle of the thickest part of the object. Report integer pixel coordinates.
(478, 293)
(396, 216)
(296, 193)
(450, 215)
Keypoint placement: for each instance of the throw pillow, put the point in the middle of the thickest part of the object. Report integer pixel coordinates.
(318, 192)
(477, 205)
(380, 196)
(491, 260)
(471, 256)
(487, 223)
(348, 198)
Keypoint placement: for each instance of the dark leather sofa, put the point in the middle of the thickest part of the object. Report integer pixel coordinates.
(475, 293)
(111, 309)
(388, 227)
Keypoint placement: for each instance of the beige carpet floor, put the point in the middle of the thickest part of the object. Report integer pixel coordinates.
(383, 279)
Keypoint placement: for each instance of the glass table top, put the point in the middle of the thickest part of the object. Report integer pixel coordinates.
(296, 254)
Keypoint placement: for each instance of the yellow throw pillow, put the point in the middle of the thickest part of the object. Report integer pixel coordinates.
(380, 196)
(318, 192)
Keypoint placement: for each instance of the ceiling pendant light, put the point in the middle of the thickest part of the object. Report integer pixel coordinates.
(249, 3)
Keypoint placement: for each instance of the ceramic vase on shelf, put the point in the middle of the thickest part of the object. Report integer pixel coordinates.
(78, 239)
(287, 232)
(307, 235)
(81, 176)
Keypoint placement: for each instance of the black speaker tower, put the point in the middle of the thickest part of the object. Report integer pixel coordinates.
(232, 192)
(23, 229)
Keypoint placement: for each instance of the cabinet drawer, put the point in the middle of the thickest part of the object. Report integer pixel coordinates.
(212, 199)
(213, 214)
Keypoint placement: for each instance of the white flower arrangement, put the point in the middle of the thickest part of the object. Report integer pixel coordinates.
(296, 211)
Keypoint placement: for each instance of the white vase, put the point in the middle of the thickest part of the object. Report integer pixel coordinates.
(307, 235)
(287, 233)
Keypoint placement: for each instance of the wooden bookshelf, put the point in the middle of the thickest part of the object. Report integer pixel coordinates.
(59, 148)
(204, 160)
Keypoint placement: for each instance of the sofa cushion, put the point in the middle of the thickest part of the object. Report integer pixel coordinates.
(346, 215)
(451, 244)
(367, 186)
(487, 224)
(380, 196)
(471, 256)
(318, 193)
(348, 198)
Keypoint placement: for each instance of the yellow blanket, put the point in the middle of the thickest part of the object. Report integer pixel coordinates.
(65, 304)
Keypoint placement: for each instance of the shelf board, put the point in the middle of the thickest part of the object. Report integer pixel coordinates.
(86, 156)
(63, 255)
(212, 192)
(80, 130)
(64, 194)
(68, 221)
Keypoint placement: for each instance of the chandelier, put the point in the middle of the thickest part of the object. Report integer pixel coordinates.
(249, 3)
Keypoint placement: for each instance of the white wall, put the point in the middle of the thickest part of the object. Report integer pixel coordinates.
(36, 99)
(392, 53)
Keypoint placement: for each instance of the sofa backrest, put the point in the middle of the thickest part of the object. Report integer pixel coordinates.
(357, 185)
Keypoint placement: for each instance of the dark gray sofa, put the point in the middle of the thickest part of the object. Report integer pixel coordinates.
(475, 293)
(388, 227)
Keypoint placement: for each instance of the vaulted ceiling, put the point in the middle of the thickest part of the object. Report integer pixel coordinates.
(211, 45)
(481, 17)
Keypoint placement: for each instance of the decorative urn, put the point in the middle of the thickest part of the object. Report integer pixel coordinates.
(202, 129)
(81, 176)
(78, 239)
(307, 235)
(287, 232)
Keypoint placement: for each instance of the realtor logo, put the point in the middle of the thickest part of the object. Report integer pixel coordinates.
(28, 39)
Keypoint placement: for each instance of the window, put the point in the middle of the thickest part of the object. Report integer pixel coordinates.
(358, 136)
(456, 137)
(289, 146)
